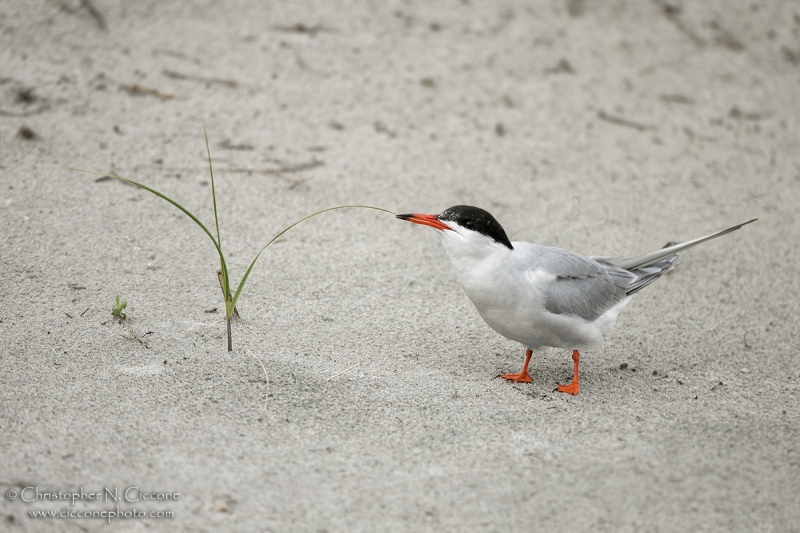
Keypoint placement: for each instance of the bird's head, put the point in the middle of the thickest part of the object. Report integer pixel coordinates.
(464, 225)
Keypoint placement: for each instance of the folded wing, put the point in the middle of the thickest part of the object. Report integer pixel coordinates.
(581, 286)
(587, 287)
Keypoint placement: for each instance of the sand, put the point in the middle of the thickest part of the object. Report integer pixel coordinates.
(606, 129)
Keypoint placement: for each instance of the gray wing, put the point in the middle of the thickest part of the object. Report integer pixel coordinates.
(580, 286)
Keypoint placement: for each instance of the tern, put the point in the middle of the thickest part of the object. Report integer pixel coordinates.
(542, 296)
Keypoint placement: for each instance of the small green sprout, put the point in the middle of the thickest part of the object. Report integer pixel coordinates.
(117, 309)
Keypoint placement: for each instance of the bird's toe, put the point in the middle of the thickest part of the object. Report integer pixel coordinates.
(517, 378)
(572, 388)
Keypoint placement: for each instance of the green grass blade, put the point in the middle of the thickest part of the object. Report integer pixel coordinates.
(247, 274)
(163, 197)
(226, 285)
(213, 188)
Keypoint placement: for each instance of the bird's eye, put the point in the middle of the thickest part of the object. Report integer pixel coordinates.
(468, 224)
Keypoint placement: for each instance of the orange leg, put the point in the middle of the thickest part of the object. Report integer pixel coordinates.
(573, 388)
(523, 376)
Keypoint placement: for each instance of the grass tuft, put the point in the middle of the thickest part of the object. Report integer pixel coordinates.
(229, 297)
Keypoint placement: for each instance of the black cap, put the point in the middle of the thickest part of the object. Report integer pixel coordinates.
(476, 219)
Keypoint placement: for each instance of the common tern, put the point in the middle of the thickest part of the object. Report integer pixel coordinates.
(542, 296)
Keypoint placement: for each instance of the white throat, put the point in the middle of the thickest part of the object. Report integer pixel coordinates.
(472, 253)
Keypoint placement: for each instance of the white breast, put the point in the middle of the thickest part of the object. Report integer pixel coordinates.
(507, 293)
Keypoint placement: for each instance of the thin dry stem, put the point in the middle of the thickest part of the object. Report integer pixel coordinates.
(343, 371)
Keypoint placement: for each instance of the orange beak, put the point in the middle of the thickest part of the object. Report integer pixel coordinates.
(426, 220)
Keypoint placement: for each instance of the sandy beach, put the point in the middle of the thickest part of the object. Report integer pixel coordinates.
(605, 129)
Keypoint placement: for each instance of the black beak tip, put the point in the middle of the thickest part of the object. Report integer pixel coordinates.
(405, 217)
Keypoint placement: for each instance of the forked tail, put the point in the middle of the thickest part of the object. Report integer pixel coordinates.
(650, 266)
(645, 275)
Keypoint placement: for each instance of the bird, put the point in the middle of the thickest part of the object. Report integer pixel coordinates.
(541, 296)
